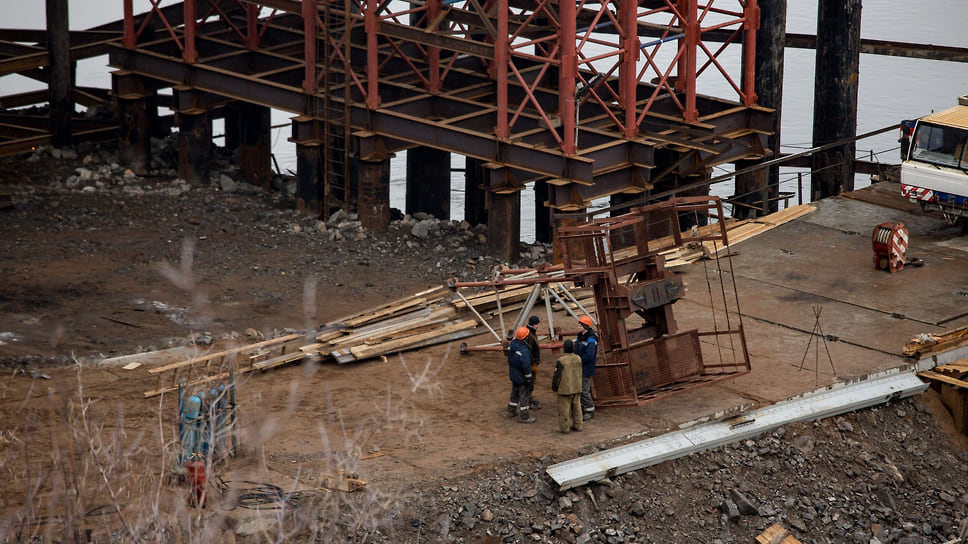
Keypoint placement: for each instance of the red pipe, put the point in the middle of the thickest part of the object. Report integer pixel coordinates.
(688, 75)
(190, 54)
(752, 22)
(372, 26)
(567, 101)
(252, 27)
(433, 53)
(628, 76)
(129, 38)
(501, 66)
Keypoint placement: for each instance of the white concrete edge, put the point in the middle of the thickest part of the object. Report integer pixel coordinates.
(834, 400)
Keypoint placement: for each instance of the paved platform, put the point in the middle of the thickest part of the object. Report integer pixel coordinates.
(824, 262)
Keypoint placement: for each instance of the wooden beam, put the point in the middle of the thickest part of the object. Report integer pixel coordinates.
(932, 375)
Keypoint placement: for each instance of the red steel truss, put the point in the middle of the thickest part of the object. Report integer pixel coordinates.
(579, 94)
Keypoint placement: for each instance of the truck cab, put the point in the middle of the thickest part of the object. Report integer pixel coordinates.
(934, 171)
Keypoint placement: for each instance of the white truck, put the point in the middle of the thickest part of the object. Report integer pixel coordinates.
(934, 167)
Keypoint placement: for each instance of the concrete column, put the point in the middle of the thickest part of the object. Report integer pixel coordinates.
(504, 226)
(835, 96)
(255, 147)
(61, 70)
(373, 205)
(757, 188)
(542, 214)
(309, 179)
(428, 182)
(194, 145)
(475, 201)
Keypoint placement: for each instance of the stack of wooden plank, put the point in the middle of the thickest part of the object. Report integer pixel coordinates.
(744, 230)
(426, 318)
(925, 345)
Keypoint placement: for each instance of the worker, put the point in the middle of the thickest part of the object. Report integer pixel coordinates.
(567, 382)
(519, 369)
(535, 347)
(586, 347)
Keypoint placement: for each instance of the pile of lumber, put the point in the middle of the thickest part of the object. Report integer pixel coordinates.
(736, 232)
(430, 317)
(928, 344)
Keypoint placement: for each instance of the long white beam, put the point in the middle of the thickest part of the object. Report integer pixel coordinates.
(837, 399)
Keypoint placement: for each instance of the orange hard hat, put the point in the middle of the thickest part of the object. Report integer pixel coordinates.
(585, 320)
(522, 333)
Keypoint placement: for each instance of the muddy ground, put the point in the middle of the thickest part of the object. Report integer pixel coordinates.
(99, 263)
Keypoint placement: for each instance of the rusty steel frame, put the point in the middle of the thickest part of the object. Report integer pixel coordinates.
(481, 79)
(615, 256)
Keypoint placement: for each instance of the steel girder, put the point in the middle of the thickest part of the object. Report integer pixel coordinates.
(496, 81)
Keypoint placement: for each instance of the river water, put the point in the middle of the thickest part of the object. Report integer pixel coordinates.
(891, 88)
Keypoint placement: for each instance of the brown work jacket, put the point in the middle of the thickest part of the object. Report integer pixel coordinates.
(567, 375)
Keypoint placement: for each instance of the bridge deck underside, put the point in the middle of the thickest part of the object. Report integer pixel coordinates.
(462, 116)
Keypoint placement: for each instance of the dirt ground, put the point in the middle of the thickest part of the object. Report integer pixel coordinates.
(107, 266)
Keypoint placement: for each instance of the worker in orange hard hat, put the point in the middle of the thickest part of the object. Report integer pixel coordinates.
(535, 347)
(519, 369)
(586, 347)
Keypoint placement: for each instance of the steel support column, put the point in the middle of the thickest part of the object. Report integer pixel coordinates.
(475, 201)
(835, 96)
(504, 226)
(61, 72)
(373, 205)
(542, 213)
(255, 144)
(428, 182)
(134, 134)
(137, 110)
(194, 145)
(309, 176)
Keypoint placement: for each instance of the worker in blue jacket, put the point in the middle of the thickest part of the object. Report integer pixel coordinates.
(586, 347)
(519, 369)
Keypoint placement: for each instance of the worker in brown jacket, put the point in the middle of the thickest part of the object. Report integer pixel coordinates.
(567, 383)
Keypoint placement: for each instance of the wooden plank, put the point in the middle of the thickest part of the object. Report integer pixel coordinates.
(438, 315)
(225, 353)
(207, 379)
(776, 534)
(162, 356)
(364, 352)
(434, 292)
(280, 360)
(928, 344)
(385, 312)
(932, 375)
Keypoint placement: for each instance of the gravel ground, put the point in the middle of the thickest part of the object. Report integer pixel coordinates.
(98, 261)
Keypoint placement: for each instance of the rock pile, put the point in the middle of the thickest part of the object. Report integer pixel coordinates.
(882, 475)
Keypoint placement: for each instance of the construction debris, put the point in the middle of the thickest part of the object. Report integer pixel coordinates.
(341, 482)
(776, 534)
(439, 315)
(928, 344)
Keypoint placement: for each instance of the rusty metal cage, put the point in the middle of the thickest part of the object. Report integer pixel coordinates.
(644, 355)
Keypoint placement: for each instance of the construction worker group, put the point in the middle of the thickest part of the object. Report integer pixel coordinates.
(572, 378)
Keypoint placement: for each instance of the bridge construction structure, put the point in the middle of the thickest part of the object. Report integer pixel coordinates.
(585, 100)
